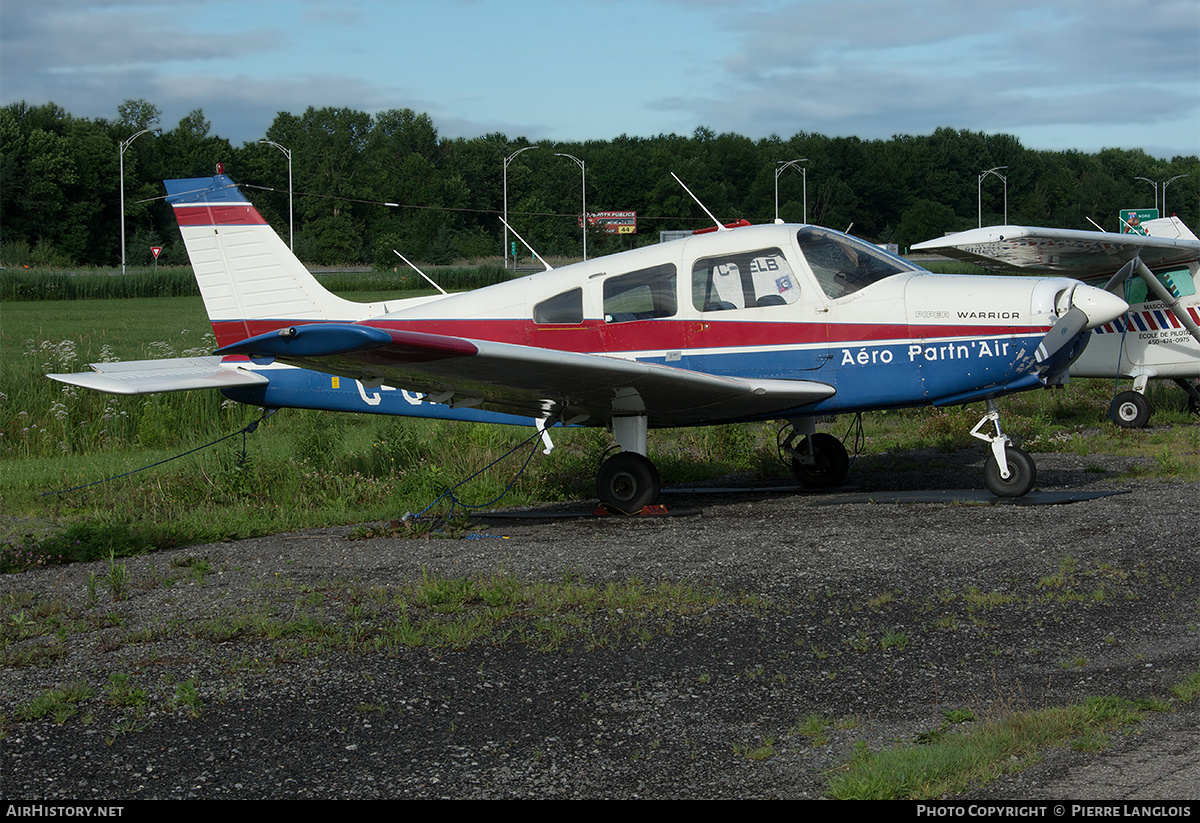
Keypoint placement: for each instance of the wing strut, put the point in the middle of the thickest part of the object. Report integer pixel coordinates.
(1170, 301)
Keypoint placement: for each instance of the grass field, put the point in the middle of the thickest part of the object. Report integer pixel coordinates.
(303, 469)
(299, 469)
(18, 285)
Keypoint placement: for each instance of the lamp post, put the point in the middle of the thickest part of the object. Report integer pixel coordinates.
(121, 163)
(1164, 192)
(583, 170)
(780, 167)
(979, 192)
(507, 160)
(291, 225)
(1153, 185)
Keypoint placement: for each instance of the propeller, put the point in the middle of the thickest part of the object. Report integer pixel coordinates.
(1070, 325)
(1090, 307)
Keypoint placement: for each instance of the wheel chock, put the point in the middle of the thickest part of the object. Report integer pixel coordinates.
(647, 511)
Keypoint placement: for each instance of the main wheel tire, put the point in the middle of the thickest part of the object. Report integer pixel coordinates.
(831, 466)
(627, 482)
(1022, 474)
(1131, 410)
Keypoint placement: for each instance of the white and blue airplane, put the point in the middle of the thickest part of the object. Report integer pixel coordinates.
(1154, 268)
(770, 322)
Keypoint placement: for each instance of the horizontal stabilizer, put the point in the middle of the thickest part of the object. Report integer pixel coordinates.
(154, 376)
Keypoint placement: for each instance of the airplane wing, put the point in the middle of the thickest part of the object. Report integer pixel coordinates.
(526, 380)
(1080, 254)
(155, 376)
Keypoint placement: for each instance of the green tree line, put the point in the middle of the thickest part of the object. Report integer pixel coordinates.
(367, 184)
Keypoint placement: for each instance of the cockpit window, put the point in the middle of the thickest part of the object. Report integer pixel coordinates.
(844, 265)
(640, 295)
(743, 280)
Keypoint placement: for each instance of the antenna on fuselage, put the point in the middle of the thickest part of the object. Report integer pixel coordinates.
(522, 239)
(701, 205)
(418, 271)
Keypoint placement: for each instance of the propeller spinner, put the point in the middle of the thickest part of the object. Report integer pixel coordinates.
(1089, 307)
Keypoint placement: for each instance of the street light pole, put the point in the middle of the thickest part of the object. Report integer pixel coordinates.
(1164, 192)
(780, 167)
(291, 224)
(507, 160)
(121, 163)
(1154, 185)
(583, 170)
(979, 192)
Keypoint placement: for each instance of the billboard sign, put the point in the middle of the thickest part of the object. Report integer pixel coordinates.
(614, 222)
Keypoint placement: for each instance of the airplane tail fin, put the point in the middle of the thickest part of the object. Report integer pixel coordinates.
(250, 280)
(1171, 227)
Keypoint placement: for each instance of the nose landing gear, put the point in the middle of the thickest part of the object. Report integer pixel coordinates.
(1008, 471)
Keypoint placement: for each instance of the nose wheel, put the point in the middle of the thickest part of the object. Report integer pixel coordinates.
(1022, 473)
(1008, 471)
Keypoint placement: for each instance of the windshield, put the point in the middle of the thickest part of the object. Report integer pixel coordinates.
(843, 264)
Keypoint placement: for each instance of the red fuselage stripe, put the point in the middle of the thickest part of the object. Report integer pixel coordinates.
(650, 335)
(219, 215)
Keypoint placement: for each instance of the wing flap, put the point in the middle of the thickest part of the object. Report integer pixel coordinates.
(132, 377)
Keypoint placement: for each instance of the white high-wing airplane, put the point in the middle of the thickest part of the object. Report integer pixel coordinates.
(1159, 338)
(786, 322)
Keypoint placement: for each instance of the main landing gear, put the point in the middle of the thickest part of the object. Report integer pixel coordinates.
(1192, 388)
(1131, 409)
(627, 482)
(818, 460)
(1008, 471)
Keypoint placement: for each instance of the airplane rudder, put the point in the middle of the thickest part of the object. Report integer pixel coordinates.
(246, 271)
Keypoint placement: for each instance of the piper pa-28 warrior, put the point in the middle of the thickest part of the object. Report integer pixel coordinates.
(770, 322)
(1159, 338)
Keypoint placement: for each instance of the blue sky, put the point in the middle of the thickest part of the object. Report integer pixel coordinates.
(1058, 74)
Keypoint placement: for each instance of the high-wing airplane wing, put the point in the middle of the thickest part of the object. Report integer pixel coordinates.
(525, 380)
(1081, 254)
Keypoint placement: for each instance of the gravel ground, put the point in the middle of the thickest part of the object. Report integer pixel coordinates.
(877, 616)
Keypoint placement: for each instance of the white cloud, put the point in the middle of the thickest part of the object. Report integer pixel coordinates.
(874, 68)
(569, 69)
